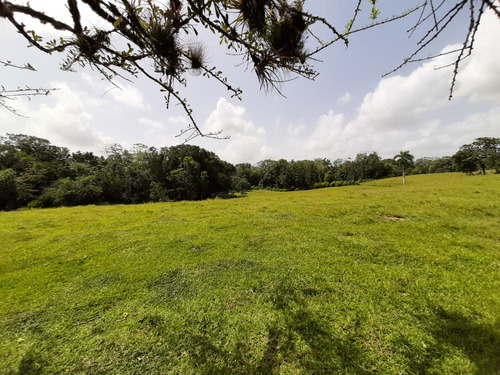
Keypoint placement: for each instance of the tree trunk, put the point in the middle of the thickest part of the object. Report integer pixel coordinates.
(404, 180)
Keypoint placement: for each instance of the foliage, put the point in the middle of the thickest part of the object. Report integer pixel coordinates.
(8, 193)
(465, 161)
(434, 165)
(404, 159)
(377, 278)
(483, 153)
(275, 38)
(34, 171)
(73, 192)
(309, 174)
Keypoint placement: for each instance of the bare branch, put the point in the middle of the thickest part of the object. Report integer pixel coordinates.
(428, 38)
(27, 66)
(468, 44)
(26, 92)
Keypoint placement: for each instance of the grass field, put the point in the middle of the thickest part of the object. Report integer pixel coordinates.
(378, 278)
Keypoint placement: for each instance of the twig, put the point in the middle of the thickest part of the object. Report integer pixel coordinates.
(87, 321)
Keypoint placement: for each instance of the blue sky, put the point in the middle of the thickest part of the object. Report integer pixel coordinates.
(349, 108)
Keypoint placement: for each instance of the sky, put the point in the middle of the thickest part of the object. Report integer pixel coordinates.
(350, 108)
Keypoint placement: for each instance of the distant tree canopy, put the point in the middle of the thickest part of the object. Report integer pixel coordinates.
(482, 154)
(275, 38)
(35, 173)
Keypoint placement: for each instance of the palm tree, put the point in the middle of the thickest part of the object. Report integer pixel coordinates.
(404, 159)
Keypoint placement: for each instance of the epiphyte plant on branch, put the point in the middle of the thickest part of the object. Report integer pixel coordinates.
(276, 38)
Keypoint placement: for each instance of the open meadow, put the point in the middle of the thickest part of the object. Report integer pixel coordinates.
(377, 278)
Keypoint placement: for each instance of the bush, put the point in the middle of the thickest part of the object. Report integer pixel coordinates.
(36, 204)
(68, 192)
(158, 193)
(319, 185)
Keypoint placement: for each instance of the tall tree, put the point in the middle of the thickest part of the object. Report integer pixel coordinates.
(464, 160)
(487, 150)
(483, 153)
(274, 37)
(404, 160)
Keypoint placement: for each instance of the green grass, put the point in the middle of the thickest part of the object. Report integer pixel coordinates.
(378, 278)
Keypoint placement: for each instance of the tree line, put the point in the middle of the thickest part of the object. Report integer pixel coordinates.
(319, 173)
(35, 173)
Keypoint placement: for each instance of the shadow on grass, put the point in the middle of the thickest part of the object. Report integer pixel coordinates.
(479, 342)
(455, 338)
(31, 364)
(298, 340)
(324, 348)
(301, 340)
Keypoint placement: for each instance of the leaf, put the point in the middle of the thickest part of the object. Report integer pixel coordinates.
(117, 22)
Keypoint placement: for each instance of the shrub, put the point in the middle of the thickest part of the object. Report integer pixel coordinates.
(319, 185)
(68, 192)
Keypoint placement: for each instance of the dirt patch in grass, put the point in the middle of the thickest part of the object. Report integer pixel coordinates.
(389, 217)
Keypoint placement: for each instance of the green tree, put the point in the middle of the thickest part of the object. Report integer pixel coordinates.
(115, 177)
(305, 173)
(8, 191)
(246, 175)
(404, 159)
(483, 153)
(433, 165)
(464, 160)
(83, 190)
(487, 153)
(186, 180)
(369, 166)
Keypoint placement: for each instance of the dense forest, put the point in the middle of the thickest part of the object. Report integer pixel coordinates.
(35, 173)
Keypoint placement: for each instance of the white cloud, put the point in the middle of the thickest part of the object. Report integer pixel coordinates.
(479, 78)
(400, 102)
(246, 144)
(162, 133)
(152, 124)
(245, 148)
(480, 124)
(436, 139)
(68, 121)
(295, 129)
(344, 99)
(128, 96)
(413, 111)
(329, 130)
(232, 119)
(61, 118)
(261, 131)
(336, 138)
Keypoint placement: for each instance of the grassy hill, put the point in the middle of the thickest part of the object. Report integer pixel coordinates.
(377, 278)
